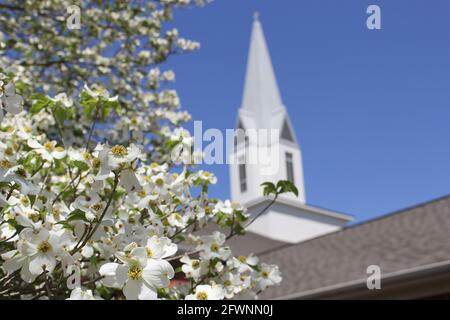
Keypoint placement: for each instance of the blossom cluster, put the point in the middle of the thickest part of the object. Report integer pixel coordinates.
(98, 197)
(106, 223)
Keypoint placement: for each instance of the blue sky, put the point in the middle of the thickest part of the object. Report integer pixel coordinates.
(371, 108)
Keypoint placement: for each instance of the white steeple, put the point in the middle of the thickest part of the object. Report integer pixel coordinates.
(262, 108)
(290, 219)
(261, 95)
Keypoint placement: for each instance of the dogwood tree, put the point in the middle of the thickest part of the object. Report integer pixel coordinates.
(99, 195)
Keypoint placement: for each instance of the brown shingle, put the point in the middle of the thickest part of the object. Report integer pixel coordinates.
(402, 240)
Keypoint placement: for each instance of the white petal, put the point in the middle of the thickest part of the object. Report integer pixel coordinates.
(132, 289)
(26, 275)
(12, 263)
(158, 273)
(147, 293)
(129, 181)
(139, 254)
(14, 104)
(59, 154)
(114, 274)
(87, 251)
(42, 262)
(34, 144)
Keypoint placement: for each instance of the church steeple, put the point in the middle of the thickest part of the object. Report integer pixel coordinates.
(261, 94)
(262, 108)
(289, 219)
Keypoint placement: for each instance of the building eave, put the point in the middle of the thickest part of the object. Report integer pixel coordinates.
(358, 288)
(297, 205)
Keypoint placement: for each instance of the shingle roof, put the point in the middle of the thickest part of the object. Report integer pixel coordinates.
(245, 244)
(252, 243)
(406, 239)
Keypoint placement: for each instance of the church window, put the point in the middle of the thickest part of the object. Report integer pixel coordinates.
(289, 167)
(286, 133)
(243, 177)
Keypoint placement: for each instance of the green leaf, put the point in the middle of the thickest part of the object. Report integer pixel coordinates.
(88, 103)
(178, 269)
(286, 186)
(65, 225)
(61, 114)
(82, 166)
(269, 188)
(77, 214)
(40, 101)
(172, 143)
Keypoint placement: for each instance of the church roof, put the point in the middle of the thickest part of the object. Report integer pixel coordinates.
(245, 244)
(405, 242)
(252, 243)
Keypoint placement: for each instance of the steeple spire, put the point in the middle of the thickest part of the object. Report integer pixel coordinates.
(261, 95)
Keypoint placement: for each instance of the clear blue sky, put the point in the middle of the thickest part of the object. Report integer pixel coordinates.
(371, 108)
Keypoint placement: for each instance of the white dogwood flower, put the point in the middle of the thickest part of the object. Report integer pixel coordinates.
(41, 247)
(160, 248)
(99, 92)
(48, 151)
(138, 277)
(194, 268)
(63, 99)
(80, 294)
(207, 292)
(268, 275)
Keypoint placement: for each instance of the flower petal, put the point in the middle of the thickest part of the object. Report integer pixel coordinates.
(114, 274)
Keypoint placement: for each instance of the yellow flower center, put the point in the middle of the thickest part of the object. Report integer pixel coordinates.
(202, 295)
(195, 264)
(227, 283)
(242, 259)
(33, 216)
(135, 273)
(154, 165)
(97, 207)
(142, 193)
(24, 200)
(214, 247)
(44, 247)
(5, 164)
(159, 182)
(49, 146)
(87, 156)
(96, 163)
(9, 151)
(265, 274)
(56, 212)
(149, 252)
(28, 129)
(119, 151)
